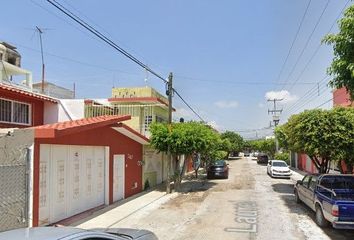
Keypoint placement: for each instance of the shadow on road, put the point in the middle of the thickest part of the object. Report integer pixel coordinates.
(286, 188)
(301, 209)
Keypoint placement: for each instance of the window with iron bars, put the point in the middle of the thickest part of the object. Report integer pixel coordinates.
(15, 112)
(148, 120)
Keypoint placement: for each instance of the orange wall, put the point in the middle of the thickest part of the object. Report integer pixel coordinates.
(105, 136)
(37, 107)
(341, 97)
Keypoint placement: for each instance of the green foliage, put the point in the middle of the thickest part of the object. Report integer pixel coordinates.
(281, 136)
(236, 142)
(263, 145)
(188, 138)
(282, 156)
(324, 135)
(342, 67)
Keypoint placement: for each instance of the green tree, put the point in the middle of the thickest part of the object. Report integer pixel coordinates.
(344, 119)
(264, 145)
(324, 135)
(342, 67)
(236, 142)
(184, 139)
(281, 137)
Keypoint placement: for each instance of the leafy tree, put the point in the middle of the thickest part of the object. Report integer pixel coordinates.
(281, 136)
(324, 135)
(184, 139)
(264, 145)
(236, 141)
(282, 156)
(344, 119)
(342, 67)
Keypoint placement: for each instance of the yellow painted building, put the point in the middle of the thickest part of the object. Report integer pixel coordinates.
(145, 105)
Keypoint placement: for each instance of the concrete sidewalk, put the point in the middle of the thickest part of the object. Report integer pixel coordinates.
(297, 174)
(113, 214)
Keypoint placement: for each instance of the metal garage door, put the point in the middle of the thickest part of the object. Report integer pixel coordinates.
(72, 180)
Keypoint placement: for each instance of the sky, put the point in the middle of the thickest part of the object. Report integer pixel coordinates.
(227, 57)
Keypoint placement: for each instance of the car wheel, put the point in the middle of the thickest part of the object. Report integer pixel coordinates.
(297, 199)
(320, 220)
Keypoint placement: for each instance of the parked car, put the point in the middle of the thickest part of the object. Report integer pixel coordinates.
(69, 233)
(278, 168)
(262, 158)
(218, 169)
(331, 196)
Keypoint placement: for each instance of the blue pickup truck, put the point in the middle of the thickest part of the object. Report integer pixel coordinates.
(331, 196)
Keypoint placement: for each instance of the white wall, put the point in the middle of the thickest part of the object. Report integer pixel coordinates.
(74, 107)
(64, 110)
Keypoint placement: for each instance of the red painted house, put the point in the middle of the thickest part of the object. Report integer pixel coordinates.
(341, 98)
(83, 164)
(20, 108)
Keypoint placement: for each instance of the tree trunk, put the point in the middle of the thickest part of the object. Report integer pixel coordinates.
(180, 173)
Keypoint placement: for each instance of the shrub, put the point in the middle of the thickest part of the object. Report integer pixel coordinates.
(283, 156)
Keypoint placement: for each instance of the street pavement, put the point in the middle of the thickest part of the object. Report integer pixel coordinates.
(248, 205)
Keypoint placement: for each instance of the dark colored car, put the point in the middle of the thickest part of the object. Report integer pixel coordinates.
(70, 233)
(218, 169)
(262, 158)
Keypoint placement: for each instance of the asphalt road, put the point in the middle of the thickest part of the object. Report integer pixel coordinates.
(248, 205)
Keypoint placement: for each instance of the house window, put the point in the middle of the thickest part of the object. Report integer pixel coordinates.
(148, 120)
(15, 112)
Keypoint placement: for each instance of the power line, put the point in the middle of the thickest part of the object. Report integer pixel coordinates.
(307, 41)
(293, 42)
(305, 95)
(175, 91)
(318, 47)
(116, 47)
(238, 82)
(103, 37)
(309, 101)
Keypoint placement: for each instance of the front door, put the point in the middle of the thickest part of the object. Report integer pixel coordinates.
(118, 177)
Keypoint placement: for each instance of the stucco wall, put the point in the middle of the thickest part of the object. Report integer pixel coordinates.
(37, 107)
(105, 136)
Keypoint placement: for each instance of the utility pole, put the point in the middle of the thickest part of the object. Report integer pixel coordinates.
(169, 158)
(276, 118)
(40, 31)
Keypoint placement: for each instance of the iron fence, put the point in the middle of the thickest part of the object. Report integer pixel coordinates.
(13, 185)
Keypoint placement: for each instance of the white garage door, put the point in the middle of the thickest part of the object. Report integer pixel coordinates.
(72, 180)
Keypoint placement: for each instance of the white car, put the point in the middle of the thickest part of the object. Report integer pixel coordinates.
(278, 168)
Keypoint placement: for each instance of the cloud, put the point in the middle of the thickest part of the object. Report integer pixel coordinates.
(215, 125)
(182, 112)
(226, 104)
(283, 94)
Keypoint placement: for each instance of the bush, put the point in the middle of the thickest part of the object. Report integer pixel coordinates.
(282, 156)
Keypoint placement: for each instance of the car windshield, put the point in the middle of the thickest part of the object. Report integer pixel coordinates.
(219, 163)
(279, 164)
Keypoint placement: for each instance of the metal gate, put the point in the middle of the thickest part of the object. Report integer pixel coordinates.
(14, 157)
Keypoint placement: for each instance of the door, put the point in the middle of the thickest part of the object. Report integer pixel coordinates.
(118, 177)
(303, 187)
(58, 192)
(72, 180)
